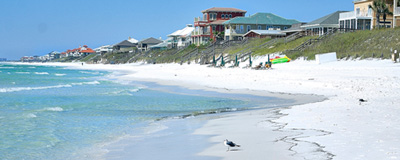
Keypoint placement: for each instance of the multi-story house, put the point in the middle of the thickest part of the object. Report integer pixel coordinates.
(181, 38)
(211, 27)
(239, 26)
(364, 18)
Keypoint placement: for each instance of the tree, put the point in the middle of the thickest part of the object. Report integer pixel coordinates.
(385, 13)
(380, 8)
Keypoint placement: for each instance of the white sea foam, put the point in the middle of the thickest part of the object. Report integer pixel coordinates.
(7, 67)
(86, 72)
(124, 92)
(31, 115)
(41, 73)
(60, 74)
(22, 72)
(31, 67)
(83, 83)
(55, 109)
(16, 89)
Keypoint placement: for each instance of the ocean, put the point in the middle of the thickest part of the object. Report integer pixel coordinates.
(51, 112)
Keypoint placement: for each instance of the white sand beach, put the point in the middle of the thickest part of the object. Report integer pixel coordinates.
(340, 127)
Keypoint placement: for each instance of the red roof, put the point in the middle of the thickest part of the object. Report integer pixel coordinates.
(218, 9)
(88, 50)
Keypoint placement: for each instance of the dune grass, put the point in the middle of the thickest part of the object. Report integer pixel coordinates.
(359, 44)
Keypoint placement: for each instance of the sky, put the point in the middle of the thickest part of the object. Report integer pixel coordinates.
(37, 27)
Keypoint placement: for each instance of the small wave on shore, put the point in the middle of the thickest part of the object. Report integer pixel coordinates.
(7, 67)
(54, 109)
(22, 72)
(16, 89)
(31, 115)
(42, 73)
(86, 72)
(59, 74)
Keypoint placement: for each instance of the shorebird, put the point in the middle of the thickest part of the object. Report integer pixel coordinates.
(362, 100)
(230, 144)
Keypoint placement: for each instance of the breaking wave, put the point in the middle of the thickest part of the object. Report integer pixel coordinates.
(41, 73)
(60, 74)
(54, 109)
(17, 89)
(22, 72)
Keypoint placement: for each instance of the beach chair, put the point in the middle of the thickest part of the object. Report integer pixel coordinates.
(257, 67)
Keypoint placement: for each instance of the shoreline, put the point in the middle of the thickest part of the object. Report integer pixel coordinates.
(338, 128)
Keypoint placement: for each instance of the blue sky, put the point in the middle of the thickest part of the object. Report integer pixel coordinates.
(29, 27)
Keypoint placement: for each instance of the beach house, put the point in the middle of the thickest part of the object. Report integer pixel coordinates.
(210, 26)
(145, 44)
(126, 45)
(323, 25)
(264, 34)
(85, 50)
(237, 27)
(364, 18)
(181, 38)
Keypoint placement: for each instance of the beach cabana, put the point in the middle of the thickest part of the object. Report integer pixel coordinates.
(324, 24)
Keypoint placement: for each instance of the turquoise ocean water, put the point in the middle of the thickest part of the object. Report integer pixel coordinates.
(57, 113)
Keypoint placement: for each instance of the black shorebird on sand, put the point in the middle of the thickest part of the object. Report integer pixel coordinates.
(230, 144)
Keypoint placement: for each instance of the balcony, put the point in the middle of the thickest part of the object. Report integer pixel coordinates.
(199, 33)
(200, 21)
(234, 32)
(354, 15)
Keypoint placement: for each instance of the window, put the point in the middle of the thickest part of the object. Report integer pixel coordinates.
(358, 11)
(230, 16)
(259, 27)
(241, 28)
(237, 28)
(212, 16)
(223, 16)
(284, 28)
(213, 28)
(248, 28)
(369, 12)
(205, 16)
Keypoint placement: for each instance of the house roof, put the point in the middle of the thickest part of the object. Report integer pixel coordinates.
(187, 31)
(218, 22)
(133, 40)
(88, 50)
(160, 45)
(150, 40)
(219, 9)
(262, 18)
(266, 32)
(125, 43)
(330, 19)
(295, 28)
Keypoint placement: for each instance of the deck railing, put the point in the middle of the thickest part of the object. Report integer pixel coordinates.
(397, 11)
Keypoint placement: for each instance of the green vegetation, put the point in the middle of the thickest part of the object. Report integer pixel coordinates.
(281, 46)
(377, 43)
(250, 46)
(359, 44)
(86, 58)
